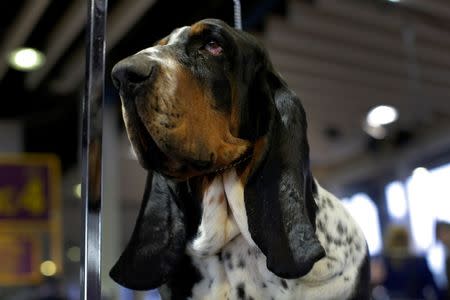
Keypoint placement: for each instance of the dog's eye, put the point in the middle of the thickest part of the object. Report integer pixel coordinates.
(213, 48)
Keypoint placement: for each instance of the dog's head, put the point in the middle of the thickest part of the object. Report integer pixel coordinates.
(200, 100)
(184, 100)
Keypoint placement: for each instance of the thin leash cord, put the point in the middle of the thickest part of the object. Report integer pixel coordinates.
(237, 14)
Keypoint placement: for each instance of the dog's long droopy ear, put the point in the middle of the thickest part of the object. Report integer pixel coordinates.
(158, 240)
(279, 195)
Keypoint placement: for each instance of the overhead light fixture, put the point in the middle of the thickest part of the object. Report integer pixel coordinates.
(420, 172)
(377, 132)
(381, 115)
(77, 190)
(73, 254)
(394, 1)
(26, 59)
(48, 268)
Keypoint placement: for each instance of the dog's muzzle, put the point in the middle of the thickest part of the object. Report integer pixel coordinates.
(132, 72)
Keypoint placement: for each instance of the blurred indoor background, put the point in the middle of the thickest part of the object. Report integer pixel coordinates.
(373, 76)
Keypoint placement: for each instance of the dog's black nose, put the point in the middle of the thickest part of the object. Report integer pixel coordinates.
(132, 70)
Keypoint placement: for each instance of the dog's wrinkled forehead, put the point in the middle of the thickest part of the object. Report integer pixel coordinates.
(182, 36)
(178, 36)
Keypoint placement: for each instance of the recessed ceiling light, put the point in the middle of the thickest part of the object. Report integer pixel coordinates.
(73, 254)
(48, 268)
(26, 59)
(420, 172)
(394, 1)
(77, 190)
(381, 115)
(377, 132)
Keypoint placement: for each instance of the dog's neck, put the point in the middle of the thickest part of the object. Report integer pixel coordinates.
(223, 205)
(234, 164)
(223, 214)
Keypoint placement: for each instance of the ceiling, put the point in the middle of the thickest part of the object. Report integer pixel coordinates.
(342, 57)
(345, 57)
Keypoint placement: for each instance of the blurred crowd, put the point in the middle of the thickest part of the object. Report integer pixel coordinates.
(398, 274)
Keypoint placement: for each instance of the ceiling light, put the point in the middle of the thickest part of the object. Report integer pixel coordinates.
(377, 132)
(77, 190)
(26, 59)
(394, 1)
(420, 172)
(381, 115)
(73, 254)
(48, 268)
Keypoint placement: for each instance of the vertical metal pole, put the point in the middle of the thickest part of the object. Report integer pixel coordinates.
(237, 14)
(92, 149)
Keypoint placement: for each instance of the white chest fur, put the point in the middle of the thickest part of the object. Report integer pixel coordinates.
(233, 267)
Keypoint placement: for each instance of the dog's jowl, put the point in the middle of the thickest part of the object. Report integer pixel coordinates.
(231, 209)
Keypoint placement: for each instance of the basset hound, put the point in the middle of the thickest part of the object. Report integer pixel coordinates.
(231, 209)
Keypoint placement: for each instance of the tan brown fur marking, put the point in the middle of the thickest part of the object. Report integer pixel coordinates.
(258, 151)
(162, 42)
(198, 28)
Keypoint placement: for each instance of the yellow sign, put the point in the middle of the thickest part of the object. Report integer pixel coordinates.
(30, 213)
(24, 252)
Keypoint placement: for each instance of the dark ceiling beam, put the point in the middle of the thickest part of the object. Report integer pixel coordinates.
(327, 85)
(348, 110)
(69, 26)
(431, 7)
(339, 28)
(340, 72)
(283, 38)
(390, 18)
(349, 73)
(358, 99)
(343, 28)
(20, 29)
(121, 19)
(333, 100)
(324, 152)
(429, 142)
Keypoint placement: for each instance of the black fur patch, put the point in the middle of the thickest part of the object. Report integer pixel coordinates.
(180, 284)
(340, 228)
(241, 263)
(320, 226)
(240, 290)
